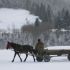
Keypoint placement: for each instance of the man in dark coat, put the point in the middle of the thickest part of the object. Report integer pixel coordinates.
(39, 47)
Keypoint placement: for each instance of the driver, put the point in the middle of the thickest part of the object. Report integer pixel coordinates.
(39, 47)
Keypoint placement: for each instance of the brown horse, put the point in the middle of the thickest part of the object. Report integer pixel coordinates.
(18, 49)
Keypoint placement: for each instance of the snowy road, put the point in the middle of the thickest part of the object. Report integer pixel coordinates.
(56, 63)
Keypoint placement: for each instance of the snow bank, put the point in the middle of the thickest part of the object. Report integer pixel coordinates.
(58, 48)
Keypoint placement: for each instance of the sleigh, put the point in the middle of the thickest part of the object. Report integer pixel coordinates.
(54, 52)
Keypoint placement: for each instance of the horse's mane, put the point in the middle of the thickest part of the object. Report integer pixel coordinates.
(12, 43)
(27, 45)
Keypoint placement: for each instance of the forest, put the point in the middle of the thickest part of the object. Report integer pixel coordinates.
(54, 29)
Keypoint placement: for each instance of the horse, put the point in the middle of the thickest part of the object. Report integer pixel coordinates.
(18, 49)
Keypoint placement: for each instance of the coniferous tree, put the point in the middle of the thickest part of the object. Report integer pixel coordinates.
(63, 19)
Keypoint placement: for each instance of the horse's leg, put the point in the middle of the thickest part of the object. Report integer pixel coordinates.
(33, 58)
(14, 57)
(19, 57)
(26, 57)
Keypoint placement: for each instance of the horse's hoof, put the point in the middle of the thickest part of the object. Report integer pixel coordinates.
(34, 60)
(21, 61)
(12, 61)
(24, 60)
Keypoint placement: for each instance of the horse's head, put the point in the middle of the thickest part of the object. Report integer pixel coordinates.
(8, 45)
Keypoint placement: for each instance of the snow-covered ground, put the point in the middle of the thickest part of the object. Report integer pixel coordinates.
(56, 63)
(15, 18)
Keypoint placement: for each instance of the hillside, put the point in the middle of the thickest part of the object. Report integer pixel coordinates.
(15, 18)
(13, 15)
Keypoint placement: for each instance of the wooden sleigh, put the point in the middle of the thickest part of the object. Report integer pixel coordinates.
(54, 52)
